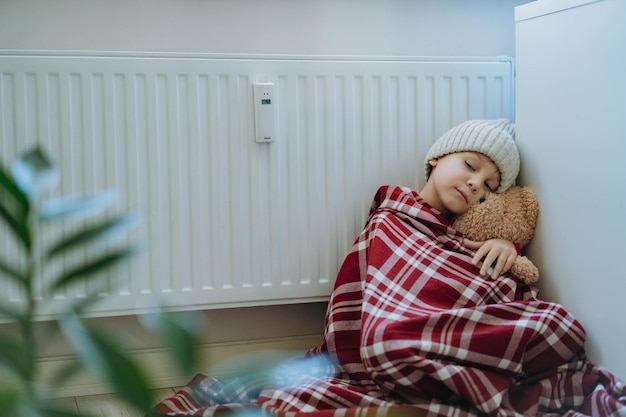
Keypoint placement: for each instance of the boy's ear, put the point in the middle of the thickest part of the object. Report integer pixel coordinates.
(432, 163)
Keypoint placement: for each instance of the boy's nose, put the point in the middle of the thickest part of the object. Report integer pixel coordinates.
(472, 184)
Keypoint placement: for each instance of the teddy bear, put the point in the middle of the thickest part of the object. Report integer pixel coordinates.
(511, 215)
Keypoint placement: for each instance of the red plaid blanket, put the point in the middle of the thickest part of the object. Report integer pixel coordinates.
(412, 329)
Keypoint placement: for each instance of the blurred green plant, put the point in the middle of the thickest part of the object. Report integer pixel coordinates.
(29, 212)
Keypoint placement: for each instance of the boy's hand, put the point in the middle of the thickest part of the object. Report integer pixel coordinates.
(496, 254)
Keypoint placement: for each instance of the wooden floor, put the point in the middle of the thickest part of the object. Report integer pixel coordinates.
(107, 404)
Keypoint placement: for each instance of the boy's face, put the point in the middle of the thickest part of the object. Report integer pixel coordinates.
(458, 180)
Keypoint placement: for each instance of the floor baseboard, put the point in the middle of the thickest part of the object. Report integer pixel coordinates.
(162, 373)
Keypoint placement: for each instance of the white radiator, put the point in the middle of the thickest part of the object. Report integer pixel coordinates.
(232, 222)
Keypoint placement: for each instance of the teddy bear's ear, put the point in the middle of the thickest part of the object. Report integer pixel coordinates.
(531, 203)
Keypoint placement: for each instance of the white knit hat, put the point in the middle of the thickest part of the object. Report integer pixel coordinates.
(494, 138)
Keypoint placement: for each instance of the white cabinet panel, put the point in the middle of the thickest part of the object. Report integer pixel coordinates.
(571, 130)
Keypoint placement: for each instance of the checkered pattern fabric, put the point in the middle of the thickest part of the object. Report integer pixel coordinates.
(412, 329)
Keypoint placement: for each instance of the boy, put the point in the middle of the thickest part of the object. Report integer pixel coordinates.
(462, 166)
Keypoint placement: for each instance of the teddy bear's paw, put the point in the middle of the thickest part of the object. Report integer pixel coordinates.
(525, 270)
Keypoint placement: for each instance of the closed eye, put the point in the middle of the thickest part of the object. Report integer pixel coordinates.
(470, 166)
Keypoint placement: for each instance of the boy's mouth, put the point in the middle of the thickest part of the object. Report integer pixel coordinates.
(464, 196)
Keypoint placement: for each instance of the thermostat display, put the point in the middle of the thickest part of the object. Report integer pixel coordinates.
(264, 112)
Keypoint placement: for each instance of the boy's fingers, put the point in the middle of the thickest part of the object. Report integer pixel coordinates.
(498, 268)
(486, 256)
(497, 260)
(504, 264)
(472, 244)
(490, 259)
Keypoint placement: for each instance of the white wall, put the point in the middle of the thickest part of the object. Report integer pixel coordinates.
(318, 27)
(572, 137)
(303, 27)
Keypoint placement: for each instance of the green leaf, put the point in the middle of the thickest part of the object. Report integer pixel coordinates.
(13, 315)
(17, 357)
(12, 272)
(9, 400)
(183, 345)
(82, 304)
(101, 354)
(95, 232)
(97, 265)
(34, 173)
(82, 207)
(20, 228)
(66, 372)
(14, 208)
(14, 191)
(178, 331)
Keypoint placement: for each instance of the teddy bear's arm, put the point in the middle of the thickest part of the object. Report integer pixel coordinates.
(525, 270)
